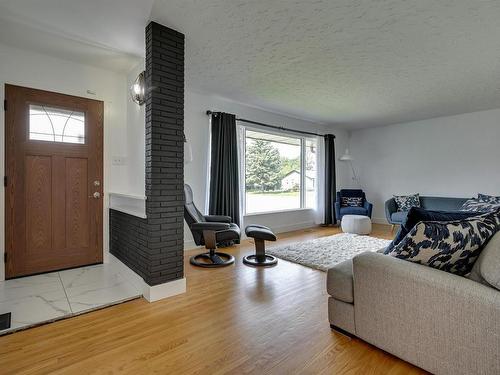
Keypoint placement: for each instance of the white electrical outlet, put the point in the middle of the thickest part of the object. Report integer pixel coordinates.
(118, 160)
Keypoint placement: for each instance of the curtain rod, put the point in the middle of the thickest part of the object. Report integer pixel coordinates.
(272, 126)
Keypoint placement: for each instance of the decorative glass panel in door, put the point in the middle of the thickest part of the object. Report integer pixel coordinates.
(56, 124)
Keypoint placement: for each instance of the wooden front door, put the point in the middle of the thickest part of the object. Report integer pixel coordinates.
(53, 204)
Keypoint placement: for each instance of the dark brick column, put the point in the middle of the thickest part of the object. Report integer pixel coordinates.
(153, 247)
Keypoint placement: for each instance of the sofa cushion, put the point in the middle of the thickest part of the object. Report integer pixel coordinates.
(449, 246)
(442, 203)
(353, 211)
(475, 273)
(399, 217)
(487, 267)
(405, 202)
(417, 214)
(339, 281)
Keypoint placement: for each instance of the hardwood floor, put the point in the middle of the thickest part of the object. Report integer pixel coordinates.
(234, 320)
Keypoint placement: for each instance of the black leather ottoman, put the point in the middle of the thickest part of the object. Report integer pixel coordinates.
(260, 234)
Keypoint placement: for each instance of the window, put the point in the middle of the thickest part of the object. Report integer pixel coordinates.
(311, 152)
(280, 172)
(56, 125)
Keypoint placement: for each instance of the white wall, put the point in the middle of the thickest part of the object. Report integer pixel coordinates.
(39, 71)
(136, 141)
(197, 132)
(455, 156)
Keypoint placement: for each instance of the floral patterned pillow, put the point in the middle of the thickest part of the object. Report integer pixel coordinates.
(448, 246)
(488, 198)
(405, 202)
(476, 205)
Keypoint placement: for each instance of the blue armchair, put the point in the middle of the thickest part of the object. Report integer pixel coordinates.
(340, 211)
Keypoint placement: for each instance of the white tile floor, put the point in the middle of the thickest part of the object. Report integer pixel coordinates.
(36, 299)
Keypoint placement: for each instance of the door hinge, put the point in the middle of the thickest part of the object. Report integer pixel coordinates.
(5, 104)
(5, 181)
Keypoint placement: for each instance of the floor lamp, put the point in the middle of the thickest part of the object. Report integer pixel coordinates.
(347, 157)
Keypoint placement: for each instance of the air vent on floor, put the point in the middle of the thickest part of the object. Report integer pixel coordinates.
(5, 321)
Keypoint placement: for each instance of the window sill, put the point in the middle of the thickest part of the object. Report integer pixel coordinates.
(278, 212)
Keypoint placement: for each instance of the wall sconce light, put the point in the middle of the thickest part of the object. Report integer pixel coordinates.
(138, 89)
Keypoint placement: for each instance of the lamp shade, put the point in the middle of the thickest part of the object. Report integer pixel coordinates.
(347, 156)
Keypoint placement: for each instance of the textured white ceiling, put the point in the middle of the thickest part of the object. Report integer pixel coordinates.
(349, 62)
(355, 63)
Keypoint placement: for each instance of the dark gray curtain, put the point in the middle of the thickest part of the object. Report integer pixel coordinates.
(330, 180)
(224, 197)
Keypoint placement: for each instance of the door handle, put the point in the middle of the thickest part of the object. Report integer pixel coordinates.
(96, 195)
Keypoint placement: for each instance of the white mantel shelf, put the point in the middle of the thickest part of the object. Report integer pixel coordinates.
(127, 203)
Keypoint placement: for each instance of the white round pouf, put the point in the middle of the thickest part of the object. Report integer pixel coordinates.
(356, 224)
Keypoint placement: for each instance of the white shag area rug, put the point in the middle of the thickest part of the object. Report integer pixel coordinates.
(325, 252)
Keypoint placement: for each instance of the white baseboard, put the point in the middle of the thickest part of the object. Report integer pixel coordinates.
(189, 245)
(150, 293)
(292, 227)
(380, 220)
(165, 290)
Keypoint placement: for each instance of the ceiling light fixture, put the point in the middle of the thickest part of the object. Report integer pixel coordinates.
(138, 89)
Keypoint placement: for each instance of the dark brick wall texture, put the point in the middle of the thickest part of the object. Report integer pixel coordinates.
(153, 247)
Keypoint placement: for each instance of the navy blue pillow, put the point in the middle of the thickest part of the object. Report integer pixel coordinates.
(417, 214)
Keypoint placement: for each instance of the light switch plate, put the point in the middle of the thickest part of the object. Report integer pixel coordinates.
(119, 160)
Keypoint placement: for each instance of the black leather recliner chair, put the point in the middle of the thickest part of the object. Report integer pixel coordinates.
(209, 230)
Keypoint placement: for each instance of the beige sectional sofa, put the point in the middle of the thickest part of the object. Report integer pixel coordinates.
(443, 323)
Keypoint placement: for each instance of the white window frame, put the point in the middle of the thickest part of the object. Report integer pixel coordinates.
(303, 140)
